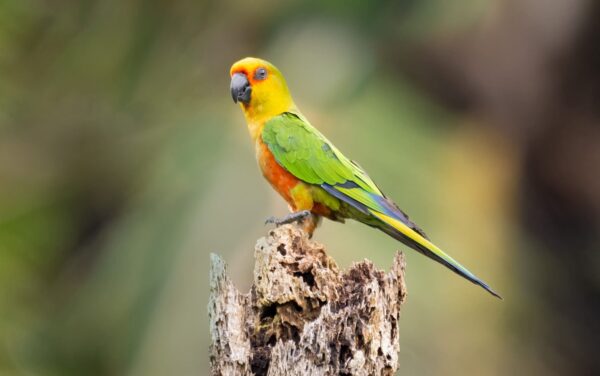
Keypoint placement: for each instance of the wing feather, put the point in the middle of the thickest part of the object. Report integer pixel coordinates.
(303, 151)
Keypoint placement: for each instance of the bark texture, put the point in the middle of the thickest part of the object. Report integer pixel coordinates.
(302, 315)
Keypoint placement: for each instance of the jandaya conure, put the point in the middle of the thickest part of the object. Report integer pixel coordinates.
(310, 173)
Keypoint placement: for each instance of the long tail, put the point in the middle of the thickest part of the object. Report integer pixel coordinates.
(411, 238)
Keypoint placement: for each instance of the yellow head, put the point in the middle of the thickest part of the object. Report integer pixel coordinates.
(260, 89)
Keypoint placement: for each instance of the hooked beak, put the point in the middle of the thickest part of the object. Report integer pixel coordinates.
(240, 88)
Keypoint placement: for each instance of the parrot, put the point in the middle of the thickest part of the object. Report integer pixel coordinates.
(311, 174)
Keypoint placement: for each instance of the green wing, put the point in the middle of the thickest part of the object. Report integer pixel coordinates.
(303, 151)
(307, 154)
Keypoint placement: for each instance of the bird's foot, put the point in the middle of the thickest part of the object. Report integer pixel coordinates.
(292, 217)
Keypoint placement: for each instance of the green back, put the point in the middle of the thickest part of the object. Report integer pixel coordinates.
(307, 154)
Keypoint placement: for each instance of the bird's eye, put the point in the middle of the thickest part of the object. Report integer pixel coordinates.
(260, 73)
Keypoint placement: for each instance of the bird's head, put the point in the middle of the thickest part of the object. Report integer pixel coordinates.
(260, 89)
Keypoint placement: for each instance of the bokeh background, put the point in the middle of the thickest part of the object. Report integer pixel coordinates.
(124, 162)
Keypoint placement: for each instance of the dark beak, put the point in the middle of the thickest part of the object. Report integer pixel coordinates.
(240, 88)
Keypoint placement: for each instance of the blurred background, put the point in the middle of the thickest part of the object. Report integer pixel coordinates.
(124, 162)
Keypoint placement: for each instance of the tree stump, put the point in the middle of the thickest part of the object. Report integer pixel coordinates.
(304, 317)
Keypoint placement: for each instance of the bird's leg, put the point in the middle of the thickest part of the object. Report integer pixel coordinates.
(300, 206)
(310, 224)
(292, 217)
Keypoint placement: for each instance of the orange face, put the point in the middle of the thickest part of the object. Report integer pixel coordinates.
(253, 71)
(260, 88)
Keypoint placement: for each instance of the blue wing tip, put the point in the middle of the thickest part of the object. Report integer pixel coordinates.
(489, 289)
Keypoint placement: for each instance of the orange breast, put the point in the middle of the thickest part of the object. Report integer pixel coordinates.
(284, 182)
(281, 180)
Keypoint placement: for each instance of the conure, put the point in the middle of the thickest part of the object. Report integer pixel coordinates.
(310, 173)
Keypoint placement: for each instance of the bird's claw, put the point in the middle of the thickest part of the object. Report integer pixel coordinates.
(271, 220)
(292, 217)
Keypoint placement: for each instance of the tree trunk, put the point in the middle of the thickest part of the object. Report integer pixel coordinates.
(304, 317)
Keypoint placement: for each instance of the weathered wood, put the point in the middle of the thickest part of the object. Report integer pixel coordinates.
(304, 317)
